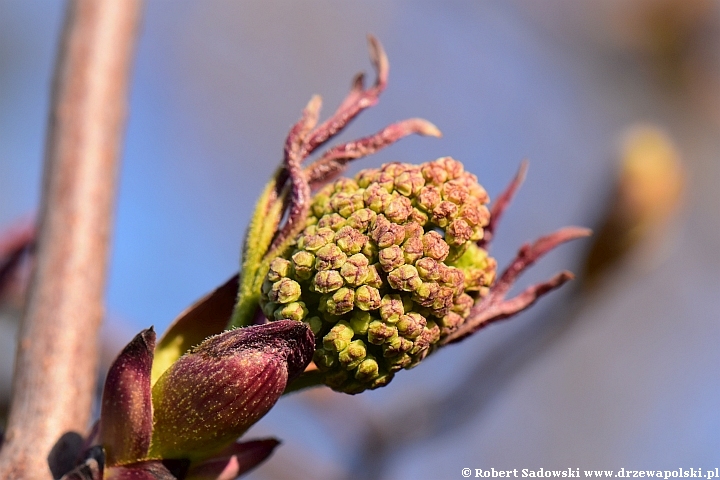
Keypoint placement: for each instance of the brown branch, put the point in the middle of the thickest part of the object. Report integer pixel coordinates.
(56, 362)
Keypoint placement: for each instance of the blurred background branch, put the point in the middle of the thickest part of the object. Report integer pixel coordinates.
(56, 363)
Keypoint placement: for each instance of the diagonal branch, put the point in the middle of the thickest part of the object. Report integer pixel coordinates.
(55, 368)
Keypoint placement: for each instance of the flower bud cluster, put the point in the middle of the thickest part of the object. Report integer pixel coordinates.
(387, 265)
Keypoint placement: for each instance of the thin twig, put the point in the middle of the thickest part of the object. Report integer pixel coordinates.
(56, 362)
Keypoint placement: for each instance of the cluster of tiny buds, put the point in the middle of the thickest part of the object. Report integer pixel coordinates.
(387, 265)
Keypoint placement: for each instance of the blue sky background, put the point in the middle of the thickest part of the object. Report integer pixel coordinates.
(631, 383)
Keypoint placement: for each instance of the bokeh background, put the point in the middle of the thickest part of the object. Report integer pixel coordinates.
(625, 374)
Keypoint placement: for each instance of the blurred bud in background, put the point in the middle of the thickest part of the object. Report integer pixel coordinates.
(647, 195)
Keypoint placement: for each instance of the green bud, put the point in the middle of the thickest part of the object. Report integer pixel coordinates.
(458, 232)
(266, 286)
(373, 278)
(345, 185)
(412, 249)
(455, 192)
(315, 324)
(333, 221)
(327, 281)
(365, 177)
(321, 203)
(292, 311)
(398, 209)
(382, 379)
(462, 305)
(346, 203)
(391, 307)
(361, 219)
(411, 325)
(314, 241)
(405, 278)
(396, 346)
(386, 233)
(355, 270)
(434, 246)
(269, 309)
(426, 294)
(359, 321)
(391, 258)
(367, 370)
(450, 322)
(474, 214)
(429, 198)
(434, 173)
(352, 355)
(398, 362)
(370, 251)
(428, 269)
(385, 178)
(410, 181)
(350, 240)
(376, 198)
(419, 217)
(324, 359)
(329, 256)
(303, 262)
(279, 268)
(285, 291)
(338, 337)
(367, 298)
(379, 332)
(341, 301)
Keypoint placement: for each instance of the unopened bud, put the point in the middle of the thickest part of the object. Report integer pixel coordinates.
(367, 298)
(285, 291)
(341, 301)
(327, 281)
(355, 270)
(391, 257)
(303, 262)
(339, 337)
(405, 278)
(329, 257)
(379, 332)
(279, 268)
(391, 307)
(353, 354)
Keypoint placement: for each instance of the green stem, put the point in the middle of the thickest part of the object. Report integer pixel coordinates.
(266, 217)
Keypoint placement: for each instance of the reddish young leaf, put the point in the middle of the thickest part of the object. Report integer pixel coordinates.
(126, 412)
(234, 461)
